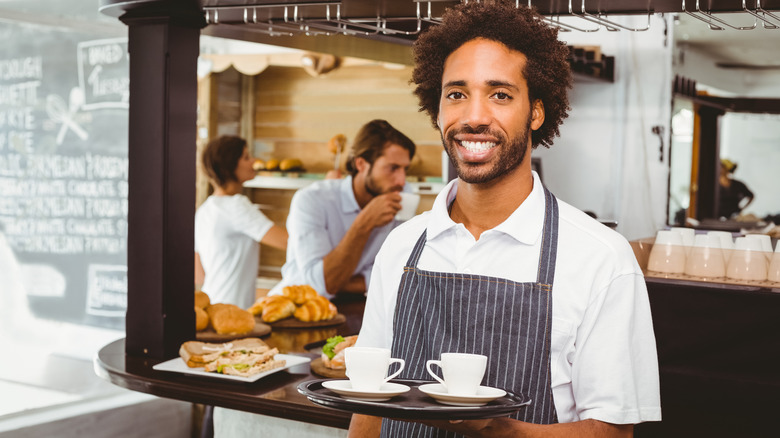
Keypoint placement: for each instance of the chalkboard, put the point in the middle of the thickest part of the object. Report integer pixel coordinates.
(64, 170)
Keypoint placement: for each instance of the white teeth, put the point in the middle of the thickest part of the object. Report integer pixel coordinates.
(477, 146)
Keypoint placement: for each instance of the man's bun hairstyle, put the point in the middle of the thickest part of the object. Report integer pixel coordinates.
(522, 29)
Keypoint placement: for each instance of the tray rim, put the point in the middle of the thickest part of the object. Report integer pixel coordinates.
(436, 411)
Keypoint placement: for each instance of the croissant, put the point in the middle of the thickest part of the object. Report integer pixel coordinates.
(299, 294)
(277, 307)
(230, 319)
(257, 307)
(316, 309)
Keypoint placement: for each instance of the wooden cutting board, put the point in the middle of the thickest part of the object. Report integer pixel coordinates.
(293, 323)
(209, 335)
(317, 367)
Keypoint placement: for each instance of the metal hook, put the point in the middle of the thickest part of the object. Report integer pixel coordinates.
(765, 22)
(428, 19)
(609, 25)
(710, 17)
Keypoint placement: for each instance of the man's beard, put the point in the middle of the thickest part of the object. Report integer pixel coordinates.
(511, 154)
(375, 189)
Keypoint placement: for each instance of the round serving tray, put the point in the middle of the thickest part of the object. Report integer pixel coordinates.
(412, 405)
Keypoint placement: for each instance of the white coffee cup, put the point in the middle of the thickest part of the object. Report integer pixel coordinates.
(766, 243)
(668, 253)
(726, 242)
(409, 203)
(706, 259)
(462, 372)
(747, 261)
(367, 367)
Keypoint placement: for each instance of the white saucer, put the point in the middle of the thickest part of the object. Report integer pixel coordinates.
(484, 395)
(344, 388)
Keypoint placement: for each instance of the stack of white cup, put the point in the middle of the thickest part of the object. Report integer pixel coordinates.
(705, 260)
(668, 253)
(748, 261)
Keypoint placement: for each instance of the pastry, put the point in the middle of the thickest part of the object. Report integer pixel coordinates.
(317, 308)
(201, 299)
(276, 307)
(230, 319)
(201, 319)
(299, 294)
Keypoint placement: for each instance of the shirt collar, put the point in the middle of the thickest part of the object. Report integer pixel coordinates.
(525, 224)
(348, 202)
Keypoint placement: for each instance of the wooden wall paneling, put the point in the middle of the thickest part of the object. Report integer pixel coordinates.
(296, 114)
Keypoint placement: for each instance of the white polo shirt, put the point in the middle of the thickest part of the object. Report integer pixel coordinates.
(603, 355)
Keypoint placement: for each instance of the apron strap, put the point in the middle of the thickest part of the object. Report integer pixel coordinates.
(416, 251)
(549, 247)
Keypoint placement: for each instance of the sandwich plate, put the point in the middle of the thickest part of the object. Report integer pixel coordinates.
(177, 365)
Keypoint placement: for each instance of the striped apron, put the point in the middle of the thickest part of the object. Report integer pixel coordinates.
(509, 322)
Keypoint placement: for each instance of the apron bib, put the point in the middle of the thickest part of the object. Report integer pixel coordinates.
(509, 322)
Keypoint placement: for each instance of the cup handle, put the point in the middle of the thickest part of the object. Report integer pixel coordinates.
(430, 371)
(401, 368)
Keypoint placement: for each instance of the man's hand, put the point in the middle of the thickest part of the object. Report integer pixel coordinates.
(379, 211)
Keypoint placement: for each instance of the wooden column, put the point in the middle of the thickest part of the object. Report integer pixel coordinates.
(708, 162)
(163, 45)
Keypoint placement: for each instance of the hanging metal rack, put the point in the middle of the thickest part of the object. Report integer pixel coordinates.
(325, 17)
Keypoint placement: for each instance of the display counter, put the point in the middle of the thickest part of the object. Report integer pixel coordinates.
(274, 395)
(718, 349)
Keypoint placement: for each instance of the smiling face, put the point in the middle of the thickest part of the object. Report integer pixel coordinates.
(485, 116)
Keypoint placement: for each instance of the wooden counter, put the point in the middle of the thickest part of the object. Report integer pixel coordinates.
(275, 395)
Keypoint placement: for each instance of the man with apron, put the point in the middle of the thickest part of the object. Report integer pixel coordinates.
(499, 266)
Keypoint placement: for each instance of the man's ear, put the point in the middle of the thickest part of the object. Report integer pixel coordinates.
(537, 114)
(361, 164)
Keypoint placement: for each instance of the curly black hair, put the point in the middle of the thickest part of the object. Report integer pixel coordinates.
(547, 70)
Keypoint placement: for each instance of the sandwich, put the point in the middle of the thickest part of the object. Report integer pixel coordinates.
(244, 363)
(242, 357)
(333, 351)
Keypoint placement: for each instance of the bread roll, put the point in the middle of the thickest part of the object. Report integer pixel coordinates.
(230, 319)
(277, 307)
(290, 164)
(201, 319)
(201, 299)
(299, 294)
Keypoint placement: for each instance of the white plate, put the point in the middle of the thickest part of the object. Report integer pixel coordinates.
(178, 365)
(344, 388)
(484, 395)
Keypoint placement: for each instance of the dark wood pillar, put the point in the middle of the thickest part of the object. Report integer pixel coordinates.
(163, 45)
(709, 167)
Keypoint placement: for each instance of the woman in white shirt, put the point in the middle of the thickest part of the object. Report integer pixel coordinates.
(229, 227)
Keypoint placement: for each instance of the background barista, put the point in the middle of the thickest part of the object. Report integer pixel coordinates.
(336, 226)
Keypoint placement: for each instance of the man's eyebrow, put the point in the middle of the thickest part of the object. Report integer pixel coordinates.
(490, 83)
(458, 83)
(497, 83)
